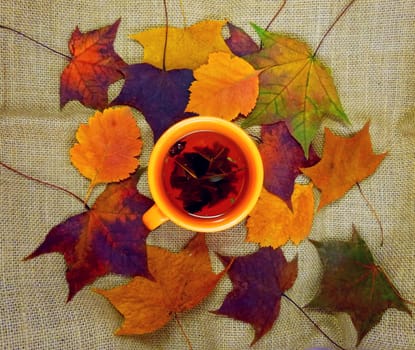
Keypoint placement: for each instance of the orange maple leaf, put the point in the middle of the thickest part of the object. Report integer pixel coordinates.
(181, 281)
(107, 146)
(93, 68)
(272, 223)
(345, 162)
(224, 87)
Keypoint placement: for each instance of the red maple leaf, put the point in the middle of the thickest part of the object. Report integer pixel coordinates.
(282, 157)
(110, 237)
(239, 42)
(259, 280)
(94, 66)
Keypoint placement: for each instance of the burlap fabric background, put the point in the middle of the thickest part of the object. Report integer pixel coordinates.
(371, 54)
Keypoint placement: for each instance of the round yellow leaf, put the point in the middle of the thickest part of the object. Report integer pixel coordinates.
(224, 87)
(107, 146)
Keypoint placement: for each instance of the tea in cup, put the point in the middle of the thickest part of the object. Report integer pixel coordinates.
(205, 174)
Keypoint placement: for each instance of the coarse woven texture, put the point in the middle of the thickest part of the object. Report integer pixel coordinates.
(371, 54)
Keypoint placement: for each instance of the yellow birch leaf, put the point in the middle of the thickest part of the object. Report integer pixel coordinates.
(107, 146)
(272, 223)
(224, 87)
(187, 47)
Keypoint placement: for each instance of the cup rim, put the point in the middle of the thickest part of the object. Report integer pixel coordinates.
(247, 147)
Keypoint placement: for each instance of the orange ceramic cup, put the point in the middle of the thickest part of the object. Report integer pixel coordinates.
(204, 130)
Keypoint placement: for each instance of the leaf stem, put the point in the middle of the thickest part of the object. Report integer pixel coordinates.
(36, 42)
(166, 15)
(56, 187)
(341, 14)
(186, 169)
(311, 320)
(373, 210)
(220, 176)
(276, 14)
(257, 139)
(88, 193)
(189, 344)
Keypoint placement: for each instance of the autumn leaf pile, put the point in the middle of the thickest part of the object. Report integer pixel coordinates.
(279, 85)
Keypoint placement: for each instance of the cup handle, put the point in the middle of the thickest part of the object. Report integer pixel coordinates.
(153, 218)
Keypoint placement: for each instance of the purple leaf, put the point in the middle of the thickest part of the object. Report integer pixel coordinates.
(282, 157)
(258, 282)
(161, 96)
(110, 237)
(239, 42)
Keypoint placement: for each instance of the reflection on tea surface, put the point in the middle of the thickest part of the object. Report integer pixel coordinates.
(205, 174)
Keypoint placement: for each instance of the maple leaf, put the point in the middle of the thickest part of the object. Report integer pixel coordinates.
(293, 86)
(186, 47)
(345, 162)
(161, 96)
(272, 223)
(94, 67)
(353, 283)
(240, 43)
(224, 87)
(282, 157)
(110, 237)
(181, 281)
(107, 146)
(259, 280)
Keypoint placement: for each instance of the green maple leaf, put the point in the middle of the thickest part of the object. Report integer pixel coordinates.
(354, 284)
(294, 86)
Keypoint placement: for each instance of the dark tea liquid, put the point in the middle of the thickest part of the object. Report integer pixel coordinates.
(205, 173)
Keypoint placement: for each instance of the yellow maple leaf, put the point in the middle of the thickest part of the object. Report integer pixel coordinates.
(187, 47)
(107, 146)
(272, 223)
(224, 87)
